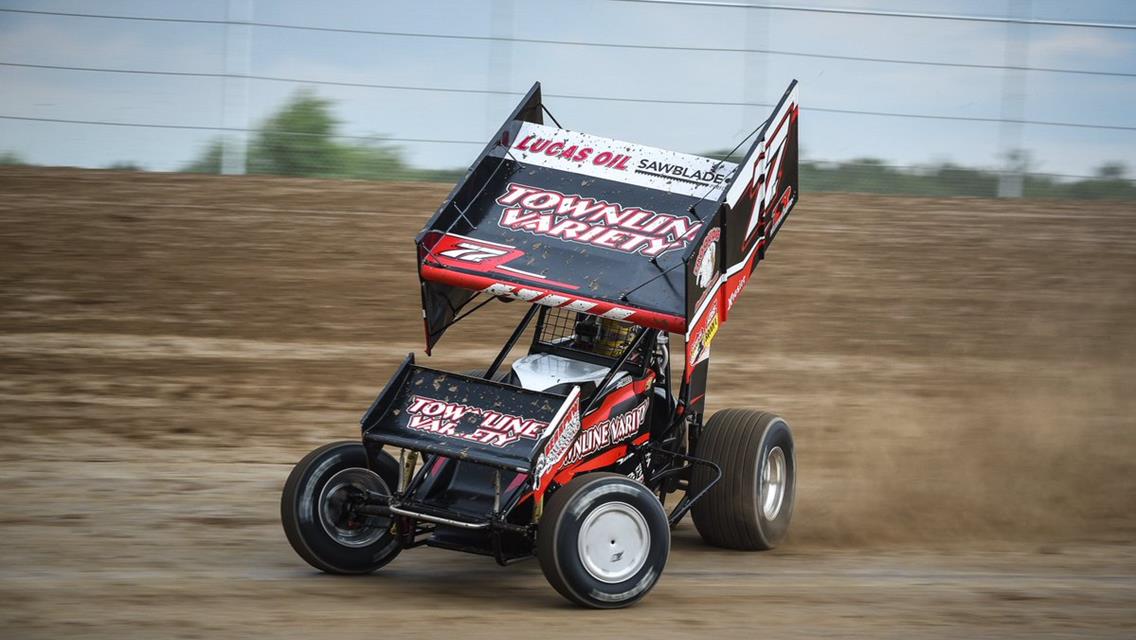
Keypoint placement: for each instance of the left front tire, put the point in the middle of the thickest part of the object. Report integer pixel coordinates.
(316, 514)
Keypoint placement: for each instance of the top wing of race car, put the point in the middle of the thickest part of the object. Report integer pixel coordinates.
(657, 238)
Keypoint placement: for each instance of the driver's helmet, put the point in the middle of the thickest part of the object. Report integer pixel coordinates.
(602, 336)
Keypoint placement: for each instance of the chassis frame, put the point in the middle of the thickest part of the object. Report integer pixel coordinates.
(668, 471)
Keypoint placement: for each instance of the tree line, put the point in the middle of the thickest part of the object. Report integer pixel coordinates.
(301, 139)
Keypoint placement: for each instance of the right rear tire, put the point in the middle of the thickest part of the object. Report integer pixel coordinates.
(751, 506)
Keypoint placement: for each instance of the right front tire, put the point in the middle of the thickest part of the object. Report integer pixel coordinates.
(603, 540)
(316, 514)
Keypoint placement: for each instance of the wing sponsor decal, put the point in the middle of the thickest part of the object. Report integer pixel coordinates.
(698, 345)
(706, 260)
(575, 152)
(626, 162)
(713, 176)
(594, 222)
(735, 289)
(495, 429)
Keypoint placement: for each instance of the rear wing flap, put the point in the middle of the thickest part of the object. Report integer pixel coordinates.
(466, 418)
(754, 205)
(647, 236)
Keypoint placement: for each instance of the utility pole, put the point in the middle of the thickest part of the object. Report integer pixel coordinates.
(234, 92)
(754, 67)
(500, 63)
(1011, 180)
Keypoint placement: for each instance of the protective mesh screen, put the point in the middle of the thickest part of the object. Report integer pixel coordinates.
(586, 333)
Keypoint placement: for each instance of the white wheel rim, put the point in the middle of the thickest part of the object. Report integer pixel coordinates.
(614, 542)
(774, 474)
(331, 505)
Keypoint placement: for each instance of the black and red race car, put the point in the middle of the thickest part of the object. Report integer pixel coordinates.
(570, 452)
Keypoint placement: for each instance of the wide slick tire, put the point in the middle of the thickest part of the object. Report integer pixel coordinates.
(317, 525)
(751, 506)
(603, 541)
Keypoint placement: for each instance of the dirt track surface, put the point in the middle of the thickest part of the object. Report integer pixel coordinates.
(959, 375)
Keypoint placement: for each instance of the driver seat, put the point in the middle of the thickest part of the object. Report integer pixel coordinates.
(558, 374)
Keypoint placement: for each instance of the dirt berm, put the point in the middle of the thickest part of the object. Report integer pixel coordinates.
(959, 374)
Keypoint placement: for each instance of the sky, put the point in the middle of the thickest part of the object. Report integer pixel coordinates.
(572, 77)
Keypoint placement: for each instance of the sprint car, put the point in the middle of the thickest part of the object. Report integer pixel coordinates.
(572, 451)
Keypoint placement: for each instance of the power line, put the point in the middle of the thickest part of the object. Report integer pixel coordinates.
(885, 114)
(585, 43)
(929, 168)
(906, 168)
(801, 54)
(892, 14)
(561, 96)
(367, 85)
(698, 3)
(103, 16)
(193, 127)
(926, 116)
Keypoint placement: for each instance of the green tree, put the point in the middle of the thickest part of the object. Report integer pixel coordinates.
(1112, 171)
(371, 160)
(871, 175)
(301, 139)
(298, 140)
(1109, 183)
(209, 161)
(124, 165)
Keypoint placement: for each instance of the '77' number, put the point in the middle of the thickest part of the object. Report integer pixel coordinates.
(473, 252)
